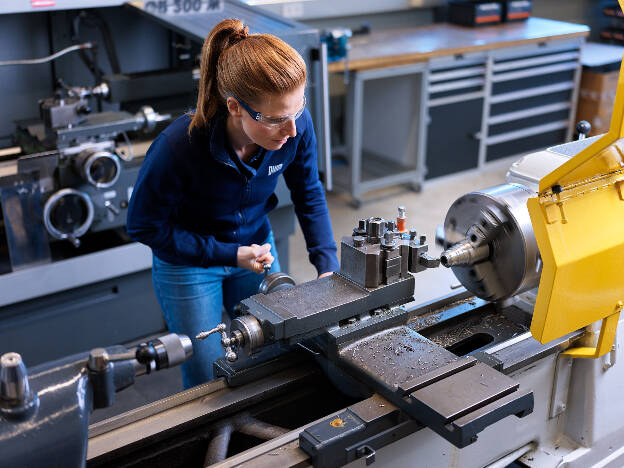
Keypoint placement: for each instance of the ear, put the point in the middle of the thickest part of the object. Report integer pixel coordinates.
(234, 107)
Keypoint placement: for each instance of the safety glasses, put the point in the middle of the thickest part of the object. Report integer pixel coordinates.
(270, 122)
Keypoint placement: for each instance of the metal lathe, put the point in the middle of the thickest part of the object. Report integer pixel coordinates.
(522, 364)
(349, 369)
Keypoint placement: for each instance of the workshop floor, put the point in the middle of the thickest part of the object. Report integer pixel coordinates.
(425, 211)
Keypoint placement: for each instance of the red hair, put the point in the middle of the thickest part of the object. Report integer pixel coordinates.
(246, 65)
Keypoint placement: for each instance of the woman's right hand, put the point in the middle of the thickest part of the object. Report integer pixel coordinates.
(254, 257)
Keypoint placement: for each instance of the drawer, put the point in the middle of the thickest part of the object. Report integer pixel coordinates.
(457, 60)
(552, 96)
(521, 122)
(463, 81)
(536, 49)
(542, 138)
(524, 86)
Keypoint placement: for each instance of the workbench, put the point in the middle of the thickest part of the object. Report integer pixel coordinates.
(431, 101)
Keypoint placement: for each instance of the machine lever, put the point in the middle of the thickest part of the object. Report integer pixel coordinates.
(302, 346)
(205, 334)
(111, 207)
(583, 128)
(226, 341)
(74, 241)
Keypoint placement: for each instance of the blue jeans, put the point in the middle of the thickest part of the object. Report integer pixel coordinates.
(192, 299)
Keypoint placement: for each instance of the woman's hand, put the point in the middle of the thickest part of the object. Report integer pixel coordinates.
(254, 257)
(323, 275)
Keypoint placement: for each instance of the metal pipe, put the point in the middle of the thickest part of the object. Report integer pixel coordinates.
(218, 447)
(253, 427)
(513, 456)
(324, 78)
(243, 423)
(86, 45)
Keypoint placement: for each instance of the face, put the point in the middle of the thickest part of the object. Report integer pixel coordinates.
(273, 106)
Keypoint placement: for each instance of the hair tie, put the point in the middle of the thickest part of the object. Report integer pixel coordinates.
(241, 34)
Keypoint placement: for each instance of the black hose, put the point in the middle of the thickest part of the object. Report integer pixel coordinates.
(95, 19)
(109, 44)
(90, 63)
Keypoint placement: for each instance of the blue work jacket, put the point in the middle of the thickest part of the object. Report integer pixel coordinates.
(194, 202)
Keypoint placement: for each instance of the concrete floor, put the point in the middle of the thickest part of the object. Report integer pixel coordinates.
(425, 211)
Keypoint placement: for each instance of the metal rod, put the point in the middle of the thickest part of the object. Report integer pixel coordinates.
(510, 342)
(218, 447)
(253, 427)
(513, 456)
(245, 424)
(49, 58)
(325, 119)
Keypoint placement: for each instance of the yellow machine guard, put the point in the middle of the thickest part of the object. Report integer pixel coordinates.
(578, 219)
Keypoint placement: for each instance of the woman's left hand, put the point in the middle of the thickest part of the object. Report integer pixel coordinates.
(323, 275)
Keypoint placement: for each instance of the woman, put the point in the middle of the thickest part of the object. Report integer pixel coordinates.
(203, 193)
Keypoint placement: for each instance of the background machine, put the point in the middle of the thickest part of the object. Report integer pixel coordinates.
(76, 124)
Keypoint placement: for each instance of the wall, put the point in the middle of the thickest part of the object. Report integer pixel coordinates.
(307, 10)
(378, 21)
(587, 12)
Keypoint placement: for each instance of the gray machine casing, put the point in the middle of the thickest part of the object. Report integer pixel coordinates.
(103, 283)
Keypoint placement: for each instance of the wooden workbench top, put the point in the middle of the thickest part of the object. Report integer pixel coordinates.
(404, 46)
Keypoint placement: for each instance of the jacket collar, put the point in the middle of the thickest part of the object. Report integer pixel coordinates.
(218, 148)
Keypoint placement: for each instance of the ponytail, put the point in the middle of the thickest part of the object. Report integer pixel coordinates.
(233, 61)
(225, 34)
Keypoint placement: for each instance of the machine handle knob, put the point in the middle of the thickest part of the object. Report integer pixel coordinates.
(17, 400)
(111, 207)
(74, 241)
(14, 385)
(583, 128)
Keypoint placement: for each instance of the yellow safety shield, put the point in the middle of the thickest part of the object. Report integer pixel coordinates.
(578, 219)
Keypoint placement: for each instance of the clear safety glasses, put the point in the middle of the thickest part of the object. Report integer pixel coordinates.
(270, 122)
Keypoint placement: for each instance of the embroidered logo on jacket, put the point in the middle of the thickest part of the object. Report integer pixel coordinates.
(274, 169)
